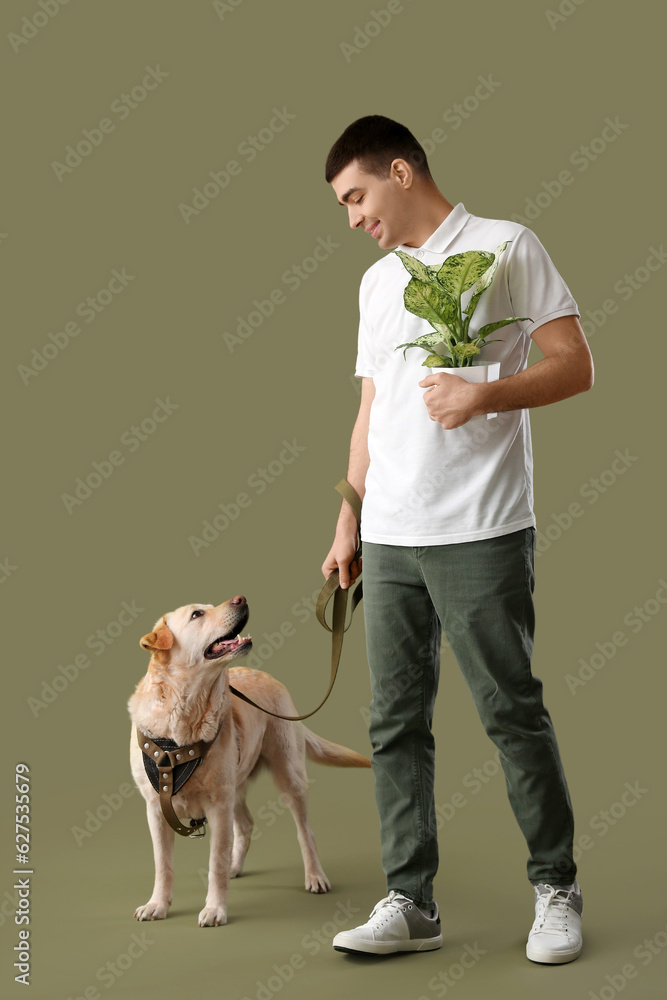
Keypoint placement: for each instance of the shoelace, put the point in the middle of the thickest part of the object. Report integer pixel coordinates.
(379, 914)
(552, 909)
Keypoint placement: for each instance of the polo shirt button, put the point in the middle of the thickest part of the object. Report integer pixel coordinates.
(420, 253)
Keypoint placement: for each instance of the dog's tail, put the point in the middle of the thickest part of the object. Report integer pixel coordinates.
(333, 754)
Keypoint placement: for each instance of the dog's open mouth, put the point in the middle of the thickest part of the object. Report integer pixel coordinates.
(229, 643)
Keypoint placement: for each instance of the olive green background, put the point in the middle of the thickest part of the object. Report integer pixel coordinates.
(67, 574)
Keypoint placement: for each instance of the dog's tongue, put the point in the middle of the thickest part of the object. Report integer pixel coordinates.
(223, 644)
(226, 644)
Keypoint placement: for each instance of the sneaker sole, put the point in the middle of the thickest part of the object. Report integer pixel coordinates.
(552, 958)
(389, 947)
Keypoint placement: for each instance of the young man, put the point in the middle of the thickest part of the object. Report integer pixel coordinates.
(448, 534)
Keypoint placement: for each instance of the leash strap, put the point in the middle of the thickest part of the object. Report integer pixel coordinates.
(167, 760)
(330, 589)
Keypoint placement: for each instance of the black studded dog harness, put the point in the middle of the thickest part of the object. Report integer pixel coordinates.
(168, 768)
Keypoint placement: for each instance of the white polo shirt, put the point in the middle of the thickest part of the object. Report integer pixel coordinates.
(430, 486)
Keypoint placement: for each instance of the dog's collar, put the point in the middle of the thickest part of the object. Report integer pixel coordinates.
(168, 768)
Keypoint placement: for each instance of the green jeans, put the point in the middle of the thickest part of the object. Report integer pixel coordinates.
(481, 595)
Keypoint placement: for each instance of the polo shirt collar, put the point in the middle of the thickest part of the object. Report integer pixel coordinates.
(439, 240)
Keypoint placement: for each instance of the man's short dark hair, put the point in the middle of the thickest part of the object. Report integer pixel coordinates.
(375, 141)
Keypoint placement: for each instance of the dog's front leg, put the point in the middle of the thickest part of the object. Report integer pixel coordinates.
(221, 826)
(163, 852)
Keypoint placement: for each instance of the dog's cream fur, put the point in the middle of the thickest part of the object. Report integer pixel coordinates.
(185, 696)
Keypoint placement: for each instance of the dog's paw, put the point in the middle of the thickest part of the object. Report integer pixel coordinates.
(317, 882)
(212, 916)
(152, 911)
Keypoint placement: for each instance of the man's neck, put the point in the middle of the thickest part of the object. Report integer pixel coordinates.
(429, 216)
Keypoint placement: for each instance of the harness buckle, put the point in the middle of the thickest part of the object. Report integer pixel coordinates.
(199, 832)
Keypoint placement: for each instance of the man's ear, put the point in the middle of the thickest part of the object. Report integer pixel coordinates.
(161, 638)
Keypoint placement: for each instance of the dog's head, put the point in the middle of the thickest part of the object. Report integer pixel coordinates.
(200, 632)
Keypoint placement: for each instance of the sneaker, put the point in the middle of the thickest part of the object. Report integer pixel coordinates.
(555, 937)
(395, 924)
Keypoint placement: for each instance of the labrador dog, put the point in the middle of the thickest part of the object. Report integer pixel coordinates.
(185, 697)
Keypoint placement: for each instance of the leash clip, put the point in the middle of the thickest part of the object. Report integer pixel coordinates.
(199, 832)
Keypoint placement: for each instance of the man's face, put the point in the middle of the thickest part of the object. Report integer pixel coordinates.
(377, 206)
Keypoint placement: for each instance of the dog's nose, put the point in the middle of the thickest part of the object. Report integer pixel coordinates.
(239, 599)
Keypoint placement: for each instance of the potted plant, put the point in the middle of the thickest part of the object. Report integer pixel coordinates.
(434, 293)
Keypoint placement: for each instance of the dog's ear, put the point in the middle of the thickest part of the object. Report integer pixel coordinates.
(161, 638)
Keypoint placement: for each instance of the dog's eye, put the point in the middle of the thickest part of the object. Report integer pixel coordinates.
(196, 614)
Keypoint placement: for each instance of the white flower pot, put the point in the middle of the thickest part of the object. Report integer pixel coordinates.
(485, 371)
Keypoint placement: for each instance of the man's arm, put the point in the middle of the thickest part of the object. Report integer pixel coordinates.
(565, 370)
(342, 551)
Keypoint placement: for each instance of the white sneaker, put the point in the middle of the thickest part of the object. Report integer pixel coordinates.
(395, 924)
(555, 936)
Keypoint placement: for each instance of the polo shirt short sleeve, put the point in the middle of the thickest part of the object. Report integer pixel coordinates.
(430, 486)
(364, 366)
(535, 287)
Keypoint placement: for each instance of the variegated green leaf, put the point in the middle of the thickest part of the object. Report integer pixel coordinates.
(429, 340)
(448, 335)
(437, 361)
(485, 280)
(419, 270)
(414, 266)
(429, 302)
(483, 343)
(490, 327)
(460, 271)
(466, 350)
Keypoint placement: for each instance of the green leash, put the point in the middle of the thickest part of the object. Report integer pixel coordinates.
(338, 628)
